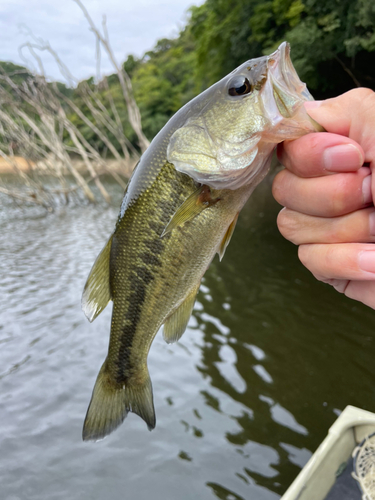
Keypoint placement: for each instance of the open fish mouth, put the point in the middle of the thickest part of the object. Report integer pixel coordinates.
(288, 91)
(284, 93)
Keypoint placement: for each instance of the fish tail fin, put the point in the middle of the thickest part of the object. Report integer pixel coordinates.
(111, 402)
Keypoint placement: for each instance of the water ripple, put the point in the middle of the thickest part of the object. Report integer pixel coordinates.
(241, 400)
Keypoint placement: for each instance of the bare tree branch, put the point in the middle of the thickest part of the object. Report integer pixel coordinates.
(347, 70)
(38, 130)
(125, 82)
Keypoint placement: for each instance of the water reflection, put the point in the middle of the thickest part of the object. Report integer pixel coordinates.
(269, 359)
(282, 346)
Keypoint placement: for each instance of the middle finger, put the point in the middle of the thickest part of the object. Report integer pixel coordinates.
(328, 196)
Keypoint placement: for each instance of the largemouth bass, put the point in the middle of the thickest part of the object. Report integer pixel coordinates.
(180, 209)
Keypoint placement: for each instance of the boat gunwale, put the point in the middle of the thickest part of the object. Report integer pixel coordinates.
(351, 418)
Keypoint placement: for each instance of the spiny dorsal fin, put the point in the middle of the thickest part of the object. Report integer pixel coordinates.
(191, 207)
(176, 323)
(97, 293)
(111, 402)
(227, 237)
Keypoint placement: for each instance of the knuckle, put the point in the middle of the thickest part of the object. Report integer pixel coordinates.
(288, 225)
(303, 255)
(278, 187)
(315, 142)
(339, 203)
(360, 94)
(363, 99)
(320, 259)
(336, 233)
(309, 155)
(342, 197)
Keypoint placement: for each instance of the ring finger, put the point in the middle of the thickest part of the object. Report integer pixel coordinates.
(358, 226)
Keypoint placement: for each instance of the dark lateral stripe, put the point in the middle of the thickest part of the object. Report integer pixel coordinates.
(174, 185)
(139, 281)
(156, 245)
(150, 259)
(157, 227)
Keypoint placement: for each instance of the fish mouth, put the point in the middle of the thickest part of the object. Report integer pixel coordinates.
(283, 96)
(288, 91)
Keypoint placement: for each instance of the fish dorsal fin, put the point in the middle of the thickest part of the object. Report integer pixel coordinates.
(97, 292)
(191, 207)
(227, 237)
(176, 323)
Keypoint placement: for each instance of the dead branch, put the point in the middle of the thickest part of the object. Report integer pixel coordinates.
(34, 124)
(125, 82)
(347, 70)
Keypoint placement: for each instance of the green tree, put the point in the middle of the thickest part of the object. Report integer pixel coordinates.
(333, 50)
(164, 81)
(333, 42)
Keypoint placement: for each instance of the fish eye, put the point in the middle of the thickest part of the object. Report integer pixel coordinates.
(239, 85)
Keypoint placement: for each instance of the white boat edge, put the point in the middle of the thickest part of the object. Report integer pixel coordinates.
(319, 474)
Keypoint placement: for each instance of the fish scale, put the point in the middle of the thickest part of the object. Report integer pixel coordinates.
(150, 277)
(137, 255)
(171, 223)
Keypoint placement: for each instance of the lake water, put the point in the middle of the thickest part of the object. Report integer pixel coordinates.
(270, 358)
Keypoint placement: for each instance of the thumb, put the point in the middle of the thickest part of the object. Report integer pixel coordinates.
(351, 114)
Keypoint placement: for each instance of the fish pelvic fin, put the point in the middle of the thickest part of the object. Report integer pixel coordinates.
(175, 325)
(111, 402)
(190, 208)
(97, 292)
(227, 237)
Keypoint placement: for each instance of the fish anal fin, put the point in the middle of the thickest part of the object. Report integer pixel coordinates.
(111, 402)
(227, 237)
(97, 292)
(176, 323)
(191, 207)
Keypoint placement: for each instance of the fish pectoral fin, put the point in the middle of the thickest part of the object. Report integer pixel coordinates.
(176, 323)
(111, 402)
(227, 237)
(191, 207)
(97, 292)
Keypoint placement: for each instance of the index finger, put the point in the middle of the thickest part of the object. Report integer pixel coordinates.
(317, 154)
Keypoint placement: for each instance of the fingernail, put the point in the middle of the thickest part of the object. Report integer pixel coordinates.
(372, 223)
(366, 189)
(366, 261)
(342, 158)
(312, 104)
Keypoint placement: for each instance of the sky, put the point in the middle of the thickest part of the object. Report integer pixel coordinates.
(133, 26)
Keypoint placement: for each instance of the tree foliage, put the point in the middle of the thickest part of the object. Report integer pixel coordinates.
(333, 50)
(163, 81)
(333, 41)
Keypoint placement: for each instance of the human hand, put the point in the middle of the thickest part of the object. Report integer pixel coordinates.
(329, 195)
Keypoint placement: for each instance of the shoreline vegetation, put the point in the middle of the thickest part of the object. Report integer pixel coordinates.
(39, 129)
(103, 124)
(19, 164)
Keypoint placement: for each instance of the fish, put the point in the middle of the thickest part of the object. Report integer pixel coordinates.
(179, 209)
